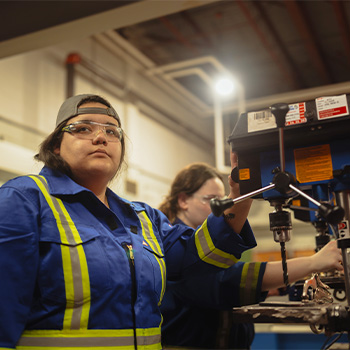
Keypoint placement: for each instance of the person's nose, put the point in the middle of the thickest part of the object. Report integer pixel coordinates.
(100, 137)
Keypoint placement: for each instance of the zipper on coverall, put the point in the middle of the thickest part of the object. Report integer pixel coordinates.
(130, 255)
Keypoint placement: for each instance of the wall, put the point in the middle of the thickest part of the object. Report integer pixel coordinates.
(34, 86)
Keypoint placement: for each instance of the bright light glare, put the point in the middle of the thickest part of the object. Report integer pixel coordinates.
(224, 87)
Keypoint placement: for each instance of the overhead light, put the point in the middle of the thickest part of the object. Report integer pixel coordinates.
(224, 86)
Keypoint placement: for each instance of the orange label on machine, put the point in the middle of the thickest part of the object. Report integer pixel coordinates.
(244, 174)
(296, 202)
(313, 163)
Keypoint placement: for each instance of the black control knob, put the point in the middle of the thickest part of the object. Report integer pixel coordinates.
(218, 206)
(332, 215)
(280, 110)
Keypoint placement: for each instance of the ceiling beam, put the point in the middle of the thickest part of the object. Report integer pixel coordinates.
(199, 33)
(343, 24)
(178, 35)
(127, 15)
(288, 76)
(297, 77)
(307, 36)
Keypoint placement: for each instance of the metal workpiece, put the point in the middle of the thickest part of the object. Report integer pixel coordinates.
(327, 317)
(279, 312)
(343, 199)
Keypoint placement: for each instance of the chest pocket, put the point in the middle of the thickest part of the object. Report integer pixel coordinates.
(62, 277)
(74, 264)
(156, 257)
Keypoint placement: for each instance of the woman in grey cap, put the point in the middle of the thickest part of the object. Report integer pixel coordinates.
(82, 267)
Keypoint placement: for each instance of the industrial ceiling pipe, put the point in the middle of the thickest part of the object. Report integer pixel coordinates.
(71, 60)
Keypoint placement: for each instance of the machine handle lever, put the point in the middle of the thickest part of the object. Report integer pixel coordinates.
(218, 206)
(332, 214)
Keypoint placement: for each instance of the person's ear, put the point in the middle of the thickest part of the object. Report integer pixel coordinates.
(57, 150)
(182, 200)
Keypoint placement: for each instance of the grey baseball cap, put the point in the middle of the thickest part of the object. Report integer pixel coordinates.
(70, 109)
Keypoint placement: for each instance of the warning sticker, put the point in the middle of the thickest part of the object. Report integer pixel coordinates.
(331, 107)
(313, 163)
(296, 114)
(296, 202)
(264, 119)
(244, 174)
(343, 229)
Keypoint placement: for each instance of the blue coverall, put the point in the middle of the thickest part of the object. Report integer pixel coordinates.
(198, 315)
(75, 273)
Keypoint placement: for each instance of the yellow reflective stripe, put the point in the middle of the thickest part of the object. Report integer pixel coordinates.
(147, 338)
(74, 264)
(249, 282)
(162, 266)
(84, 319)
(48, 198)
(208, 252)
(151, 239)
(65, 252)
(76, 236)
(68, 283)
(151, 233)
(36, 347)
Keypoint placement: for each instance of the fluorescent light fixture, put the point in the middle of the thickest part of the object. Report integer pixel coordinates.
(224, 86)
